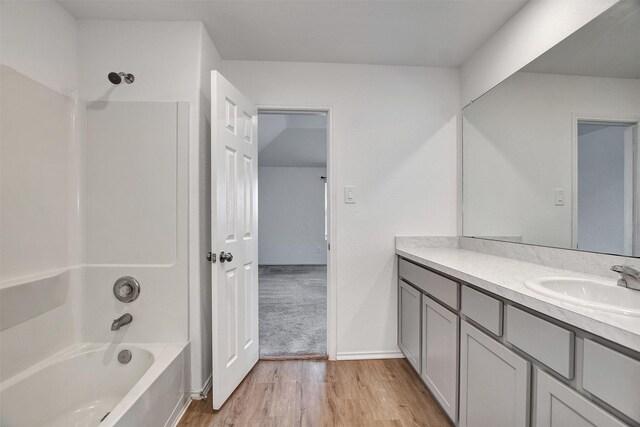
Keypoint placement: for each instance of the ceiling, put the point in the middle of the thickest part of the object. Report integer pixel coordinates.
(441, 33)
(605, 47)
(292, 140)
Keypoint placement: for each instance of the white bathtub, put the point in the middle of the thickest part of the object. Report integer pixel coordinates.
(80, 385)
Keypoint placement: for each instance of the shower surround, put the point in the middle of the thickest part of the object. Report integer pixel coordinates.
(95, 189)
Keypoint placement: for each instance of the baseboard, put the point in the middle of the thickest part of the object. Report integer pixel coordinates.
(202, 394)
(369, 355)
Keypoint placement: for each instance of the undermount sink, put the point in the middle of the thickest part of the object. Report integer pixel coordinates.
(595, 293)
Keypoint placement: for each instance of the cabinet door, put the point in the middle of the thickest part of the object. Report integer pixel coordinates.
(409, 304)
(557, 405)
(494, 382)
(440, 354)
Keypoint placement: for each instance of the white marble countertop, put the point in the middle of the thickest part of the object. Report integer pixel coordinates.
(505, 277)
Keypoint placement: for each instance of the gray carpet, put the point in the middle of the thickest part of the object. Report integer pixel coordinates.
(293, 310)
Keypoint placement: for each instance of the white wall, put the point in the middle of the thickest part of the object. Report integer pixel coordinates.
(291, 218)
(40, 186)
(39, 39)
(394, 132)
(518, 150)
(536, 28)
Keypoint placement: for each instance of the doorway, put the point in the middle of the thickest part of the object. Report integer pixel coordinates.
(293, 233)
(607, 186)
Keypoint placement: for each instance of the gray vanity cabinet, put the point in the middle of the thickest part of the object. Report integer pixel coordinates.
(491, 363)
(440, 354)
(494, 382)
(409, 308)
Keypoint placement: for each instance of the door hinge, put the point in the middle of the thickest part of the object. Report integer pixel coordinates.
(211, 257)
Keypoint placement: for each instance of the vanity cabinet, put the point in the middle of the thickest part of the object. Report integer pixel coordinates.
(440, 354)
(494, 382)
(557, 405)
(490, 362)
(409, 333)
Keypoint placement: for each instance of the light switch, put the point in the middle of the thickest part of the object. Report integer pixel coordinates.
(559, 197)
(349, 195)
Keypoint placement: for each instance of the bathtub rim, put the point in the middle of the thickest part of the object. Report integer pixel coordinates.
(163, 355)
(167, 354)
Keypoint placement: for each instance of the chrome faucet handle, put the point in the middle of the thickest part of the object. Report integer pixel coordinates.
(630, 276)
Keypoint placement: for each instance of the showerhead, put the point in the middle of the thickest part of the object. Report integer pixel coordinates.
(116, 78)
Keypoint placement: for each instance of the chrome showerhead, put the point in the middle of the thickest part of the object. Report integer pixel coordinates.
(116, 78)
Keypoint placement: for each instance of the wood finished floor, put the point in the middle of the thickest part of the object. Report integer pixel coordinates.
(324, 393)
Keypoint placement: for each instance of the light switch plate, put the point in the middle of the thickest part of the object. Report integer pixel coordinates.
(559, 196)
(349, 194)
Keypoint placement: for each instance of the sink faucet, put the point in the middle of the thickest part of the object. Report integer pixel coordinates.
(630, 276)
(125, 319)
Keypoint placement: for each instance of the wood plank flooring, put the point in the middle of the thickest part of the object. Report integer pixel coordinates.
(325, 393)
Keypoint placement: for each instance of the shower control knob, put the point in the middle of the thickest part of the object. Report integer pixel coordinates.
(226, 256)
(126, 289)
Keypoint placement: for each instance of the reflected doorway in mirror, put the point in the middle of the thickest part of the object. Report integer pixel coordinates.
(605, 159)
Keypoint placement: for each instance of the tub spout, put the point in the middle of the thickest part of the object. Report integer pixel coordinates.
(125, 319)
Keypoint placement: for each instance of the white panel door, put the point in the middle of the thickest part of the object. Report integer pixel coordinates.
(234, 216)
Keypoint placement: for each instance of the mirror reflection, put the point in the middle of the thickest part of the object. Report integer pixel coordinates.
(550, 154)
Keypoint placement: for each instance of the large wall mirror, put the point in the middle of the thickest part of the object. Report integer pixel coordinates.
(550, 155)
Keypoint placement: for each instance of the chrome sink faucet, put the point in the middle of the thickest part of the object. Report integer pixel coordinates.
(118, 323)
(630, 276)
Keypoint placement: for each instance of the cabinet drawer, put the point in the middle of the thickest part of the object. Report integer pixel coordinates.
(612, 377)
(438, 286)
(546, 342)
(482, 309)
(559, 406)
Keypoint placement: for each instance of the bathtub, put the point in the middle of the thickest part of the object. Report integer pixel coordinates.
(81, 384)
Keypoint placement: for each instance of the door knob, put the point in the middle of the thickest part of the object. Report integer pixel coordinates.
(226, 256)
(211, 257)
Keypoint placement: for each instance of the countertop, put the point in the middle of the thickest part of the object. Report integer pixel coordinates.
(505, 277)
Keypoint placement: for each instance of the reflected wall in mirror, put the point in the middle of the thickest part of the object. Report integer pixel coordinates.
(550, 154)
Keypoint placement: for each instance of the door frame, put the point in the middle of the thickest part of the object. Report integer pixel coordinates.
(576, 118)
(332, 188)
